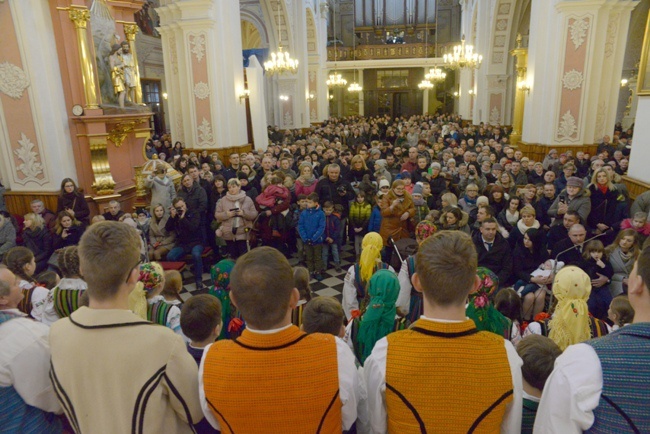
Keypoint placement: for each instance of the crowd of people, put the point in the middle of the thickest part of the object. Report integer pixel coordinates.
(467, 254)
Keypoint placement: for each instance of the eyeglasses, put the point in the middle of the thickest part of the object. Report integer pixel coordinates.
(131, 269)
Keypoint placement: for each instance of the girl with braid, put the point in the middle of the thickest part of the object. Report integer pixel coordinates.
(21, 262)
(65, 297)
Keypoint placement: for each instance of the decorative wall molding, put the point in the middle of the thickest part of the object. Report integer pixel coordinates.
(197, 44)
(205, 133)
(612, 30)
(572, 80)
(567, 127)
(30, 167)
(599, 130)
(13, 80)
(201, 90)
(495, 115)
(578, 31)
(172, 54)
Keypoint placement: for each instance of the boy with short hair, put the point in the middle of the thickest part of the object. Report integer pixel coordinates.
(311, 227)
(539, 354)
(251, 385)
(201, 323)
(421, 207)
(324, 315)
(332, 236)
(440, 354)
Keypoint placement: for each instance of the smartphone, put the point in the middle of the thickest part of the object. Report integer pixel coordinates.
(234, 209)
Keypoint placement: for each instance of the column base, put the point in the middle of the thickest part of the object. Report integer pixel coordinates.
(515, 138)
(537, 151)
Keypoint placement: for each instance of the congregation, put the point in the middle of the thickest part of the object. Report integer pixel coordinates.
(514, 291)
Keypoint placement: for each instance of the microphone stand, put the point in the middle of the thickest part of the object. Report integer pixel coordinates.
(574, 246)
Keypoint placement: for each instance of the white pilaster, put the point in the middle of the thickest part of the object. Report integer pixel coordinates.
(257, 103)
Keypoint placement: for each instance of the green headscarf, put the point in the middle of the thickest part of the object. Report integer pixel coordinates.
(480, 309)
(379, 318)
(220, 274)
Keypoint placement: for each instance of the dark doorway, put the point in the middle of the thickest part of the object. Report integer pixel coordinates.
(152, 96)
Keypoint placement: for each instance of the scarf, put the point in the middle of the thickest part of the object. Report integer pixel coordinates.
(523, 228)
(570, 322)
(238, 200)
(471, 202)
(370, 254)
(480, 309)
(379, 318)
(307, 182)
(512, 218)
(220, 275)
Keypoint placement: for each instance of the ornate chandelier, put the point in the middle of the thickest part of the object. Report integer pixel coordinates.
(355, 88)
(436, 75)
(336, 80)
(281, 62)
(463, 57)
(425, 85)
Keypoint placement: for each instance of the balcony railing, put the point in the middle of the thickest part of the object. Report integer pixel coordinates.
(388, 51)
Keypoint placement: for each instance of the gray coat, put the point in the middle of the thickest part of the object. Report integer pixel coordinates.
(7, 236)
(622, 269)
(3, 207)
(641, 203)
(580, 204)
(162, 191)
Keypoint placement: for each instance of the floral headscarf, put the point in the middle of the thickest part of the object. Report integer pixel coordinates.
(220, 274)
(424, 230)
(151, 277)
(480, 309)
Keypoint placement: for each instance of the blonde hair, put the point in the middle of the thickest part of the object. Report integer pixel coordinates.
(527, 210)
(450, 198)
(594, 178)
(173, 285)
(356, 159)
(370, 252)
(36, 219)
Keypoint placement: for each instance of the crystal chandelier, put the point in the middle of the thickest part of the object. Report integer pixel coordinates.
(281, 62)
(336, 80)
(463, 57)
(355, 88)
(436, 75)
(425, 85)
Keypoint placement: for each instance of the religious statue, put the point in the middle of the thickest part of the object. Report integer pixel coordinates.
(129, 72)
(116, 64)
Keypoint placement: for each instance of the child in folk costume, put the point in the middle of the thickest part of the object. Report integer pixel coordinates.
(21, 262)
(620, 312)
(480, 308)
(232, 322)
(65, 297)
(355, 297)
(301, 279)
(173, 286)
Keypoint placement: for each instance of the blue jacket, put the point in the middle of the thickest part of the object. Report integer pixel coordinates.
(375, 220)
(333, 228)
(311, 225)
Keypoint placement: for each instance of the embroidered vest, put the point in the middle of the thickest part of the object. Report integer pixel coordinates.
(25, 305)
(625, 360)
(362, 295)
(433, 380)
(416, 308)
(267, 383)
(18, 417)
(158, 312)
(66, 301)
(596, 326)
(529, 411)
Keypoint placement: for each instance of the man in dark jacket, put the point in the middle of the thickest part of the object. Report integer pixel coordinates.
(493, 251)
(184, 223)
(544, 203)
(333, 188)
(437, 182)
(570, 250)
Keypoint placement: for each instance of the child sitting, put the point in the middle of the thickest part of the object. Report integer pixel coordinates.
(173, 286)
(65, 297)
(332, 236)
(421, 208)
(595, 265)
(508, 302)
(201, 323)
(48, 279)
(359, 217)
(21, 262)
(621, 312)
(274, 194)
(640, 225)
(538, 354)
(301, 281)
(311, 227)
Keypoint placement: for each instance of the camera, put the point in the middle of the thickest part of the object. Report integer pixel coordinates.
(341, 189)
(179, 210)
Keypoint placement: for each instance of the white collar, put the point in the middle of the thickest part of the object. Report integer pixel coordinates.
(268, 332)
(447, 321)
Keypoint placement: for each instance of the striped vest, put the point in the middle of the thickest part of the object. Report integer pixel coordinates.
(66, 301)
(446, 377)
(528, 413)
(18, 417)
(625, 360)
(25, 305)
(158, 312)
(285, 382)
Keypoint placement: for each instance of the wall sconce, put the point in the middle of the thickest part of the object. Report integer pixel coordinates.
(456, 94)
(284, 98)
(244, 94)
(624, 82)
(311, 97)
(471, 92)
(524, 87)
(330, 97)
(164, 95)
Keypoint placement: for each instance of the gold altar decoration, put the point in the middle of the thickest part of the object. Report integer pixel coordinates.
(130, 30)
(80, 16)
(104, 184)
(120, 131)
(521, 54)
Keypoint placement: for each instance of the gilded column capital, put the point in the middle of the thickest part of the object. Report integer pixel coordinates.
(130, 30)
(79, 16)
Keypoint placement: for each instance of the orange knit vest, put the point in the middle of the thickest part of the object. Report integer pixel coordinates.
(446, 378)
(277, 383)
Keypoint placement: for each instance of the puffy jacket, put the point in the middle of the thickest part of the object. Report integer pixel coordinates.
(228, 202)
(333, 228)
(39, 242)
(374, 224)
(311, 225)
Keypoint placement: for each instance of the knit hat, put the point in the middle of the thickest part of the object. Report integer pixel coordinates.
(424, 230)
(380, 164)
(570, 322)
(379, 318)
(417, 189)
(241, 175)
(374, 151)
(574, 181)
(482, 200)
(304, 164)
(435, 165)
(384, 183)
(404, 174)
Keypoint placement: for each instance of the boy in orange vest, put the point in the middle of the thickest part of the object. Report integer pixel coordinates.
(442, 374)
(264, 380)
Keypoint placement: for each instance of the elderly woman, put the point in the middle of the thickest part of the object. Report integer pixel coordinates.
(38, 239)
(570, 323)
(396, 209)
(236, 212)
(573, 198)
(526, 221)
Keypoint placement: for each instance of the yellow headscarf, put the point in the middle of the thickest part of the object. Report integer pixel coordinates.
(570, 322)
(370, 252)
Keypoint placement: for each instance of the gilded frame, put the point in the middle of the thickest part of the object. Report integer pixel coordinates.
(643, 85)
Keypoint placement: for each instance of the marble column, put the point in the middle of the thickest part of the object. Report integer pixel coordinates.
(361, 97)
(257, 102)
(204, 72)
(575, 60)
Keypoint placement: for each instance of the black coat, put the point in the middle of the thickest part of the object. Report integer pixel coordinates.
(339, 192)
(39, 242)
(573, 255)
(77, 203)
(75, 233)
(187, 235)
(527, 261)
(498, 259)
(603, 207)
(195, 198)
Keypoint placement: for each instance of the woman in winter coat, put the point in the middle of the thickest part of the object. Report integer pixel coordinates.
(604, 200)
(396, 209)
(161, 241)
(622, 254)
(73, 201)
(573, 198)
(38, 239)
(306, 181)
(7, 233)
(162, 188)
(236, 213)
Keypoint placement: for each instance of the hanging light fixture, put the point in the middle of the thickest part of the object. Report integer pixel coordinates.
(335, 79)
(281, 62)
(354, 87)
(425, 85)
(435, 75)
(463, 57)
